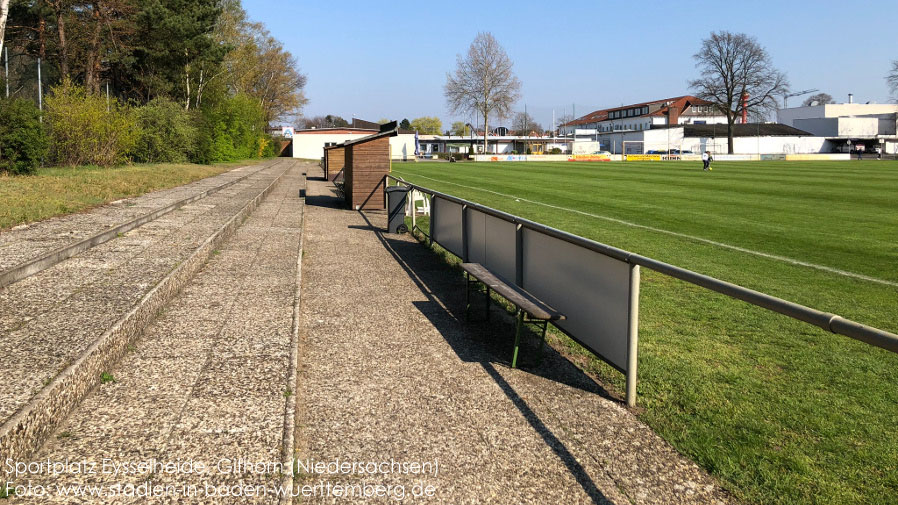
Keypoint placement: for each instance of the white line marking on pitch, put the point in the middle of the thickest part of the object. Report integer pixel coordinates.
(784, 259)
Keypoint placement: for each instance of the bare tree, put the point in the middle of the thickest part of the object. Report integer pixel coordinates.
(523, 123)
(819, 98)
(4, 13)
(734, 65)
(483, 82)
(892, 79)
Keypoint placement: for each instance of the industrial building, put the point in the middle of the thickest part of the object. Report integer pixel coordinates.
(848, 126)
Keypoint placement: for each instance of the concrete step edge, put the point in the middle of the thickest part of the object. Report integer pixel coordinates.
(289, 438)
(23, 433)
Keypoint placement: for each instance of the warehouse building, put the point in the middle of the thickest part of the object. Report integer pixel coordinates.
(848, 126)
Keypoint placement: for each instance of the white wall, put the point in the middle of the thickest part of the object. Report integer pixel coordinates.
(402, 146)
(311, 145)
(762, 145)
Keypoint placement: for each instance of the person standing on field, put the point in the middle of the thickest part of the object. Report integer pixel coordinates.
(706, 160)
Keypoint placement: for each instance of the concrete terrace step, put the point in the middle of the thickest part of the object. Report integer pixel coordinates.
(61, 328)
(29, 249)
(211, 379)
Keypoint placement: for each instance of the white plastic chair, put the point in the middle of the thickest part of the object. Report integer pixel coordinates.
(425, 203)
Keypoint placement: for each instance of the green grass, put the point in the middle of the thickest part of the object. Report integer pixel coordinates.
(56, 191)
(780, 411)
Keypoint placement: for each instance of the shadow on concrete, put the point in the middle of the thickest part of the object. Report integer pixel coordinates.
(334, 201)
(488, 343)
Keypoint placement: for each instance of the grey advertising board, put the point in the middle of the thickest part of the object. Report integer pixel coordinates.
(446, 225)
(592, 290)
(491, 242)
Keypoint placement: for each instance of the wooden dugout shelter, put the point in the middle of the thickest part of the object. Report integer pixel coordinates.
(334, 160)
(366, 165)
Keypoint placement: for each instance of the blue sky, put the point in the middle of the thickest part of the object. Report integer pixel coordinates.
(389, 59)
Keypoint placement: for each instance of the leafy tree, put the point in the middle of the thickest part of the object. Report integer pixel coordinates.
(405, 125)
(23, 142)
(819, 98)
(483, 82)
(427, 125)
(733, 65)
(328, 121)
(258, 65)
(175, 45)
(460, 128)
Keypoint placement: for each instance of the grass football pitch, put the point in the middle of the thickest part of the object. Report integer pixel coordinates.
(780, 411)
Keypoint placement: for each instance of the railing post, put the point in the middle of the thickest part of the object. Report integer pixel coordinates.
(519, 255)
(414, 211)
(632, 335)
(433, 221)
(464, 233)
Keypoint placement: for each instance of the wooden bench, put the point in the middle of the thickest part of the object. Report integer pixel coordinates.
(527, 305)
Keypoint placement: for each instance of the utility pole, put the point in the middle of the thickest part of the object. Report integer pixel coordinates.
(6, 67)
(40, 91)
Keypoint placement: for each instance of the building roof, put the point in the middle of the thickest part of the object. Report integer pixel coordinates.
(388, 133)
(739, 130)
(680, 102)
(322, 131)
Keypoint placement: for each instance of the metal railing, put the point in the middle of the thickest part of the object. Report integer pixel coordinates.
(825, 320)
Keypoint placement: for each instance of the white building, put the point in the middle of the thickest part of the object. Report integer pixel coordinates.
(751, 138)
(685, 109)
(848, 125)
(309, 144)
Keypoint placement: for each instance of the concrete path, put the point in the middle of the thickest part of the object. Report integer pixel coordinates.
(211, 382)
(391, 373)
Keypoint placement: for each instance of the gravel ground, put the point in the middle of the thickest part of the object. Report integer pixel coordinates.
(51, 317)
(209, 380)
(390, 372)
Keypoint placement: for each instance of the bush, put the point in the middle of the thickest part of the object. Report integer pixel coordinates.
(167, 133)
(235, 129)
(83, 132)
(23, 141)
(555, 150)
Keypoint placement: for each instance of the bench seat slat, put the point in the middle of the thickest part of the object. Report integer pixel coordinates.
(527, 302)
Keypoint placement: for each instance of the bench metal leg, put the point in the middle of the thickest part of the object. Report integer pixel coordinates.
(542, 346)
(519, 323)
(467, 295)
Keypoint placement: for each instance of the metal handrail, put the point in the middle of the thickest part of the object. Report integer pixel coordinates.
(825, 320)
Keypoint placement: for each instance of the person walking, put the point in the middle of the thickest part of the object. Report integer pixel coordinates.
(878, 153)
(706, 160)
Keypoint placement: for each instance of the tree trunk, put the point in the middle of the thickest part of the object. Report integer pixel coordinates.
(92, 76)
(63, 47)
(485, 134)
(730, 134)
(4, 13)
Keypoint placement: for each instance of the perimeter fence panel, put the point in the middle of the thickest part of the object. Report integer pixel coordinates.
(492, 243)
(592, 290)
(446, 225)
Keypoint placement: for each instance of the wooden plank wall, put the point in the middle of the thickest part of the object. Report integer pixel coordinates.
(367, 164)
(334, 161)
